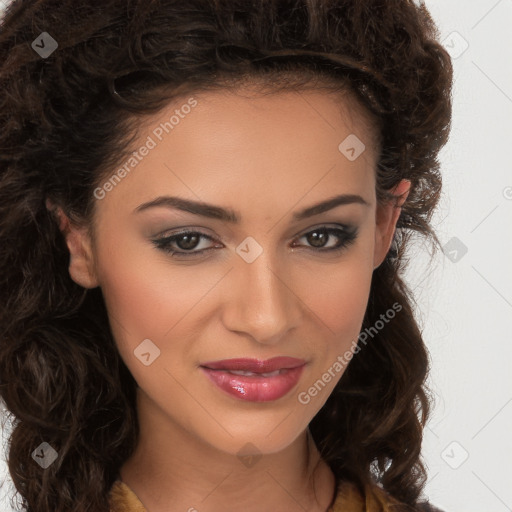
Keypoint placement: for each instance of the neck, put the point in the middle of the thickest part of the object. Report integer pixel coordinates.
(172, 470)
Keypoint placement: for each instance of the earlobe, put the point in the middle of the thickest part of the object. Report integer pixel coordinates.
(386, 218)
(81, 262)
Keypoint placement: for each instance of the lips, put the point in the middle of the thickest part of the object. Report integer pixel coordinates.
(255, 380)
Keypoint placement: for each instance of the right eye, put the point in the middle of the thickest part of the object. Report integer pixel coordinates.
(185, 242)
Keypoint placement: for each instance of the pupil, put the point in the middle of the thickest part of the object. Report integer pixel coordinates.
(317, 238)
(190, 241)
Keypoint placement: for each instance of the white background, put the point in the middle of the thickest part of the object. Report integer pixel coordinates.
(465, 300)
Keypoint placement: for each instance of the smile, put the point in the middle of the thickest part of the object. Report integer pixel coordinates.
(254, 380)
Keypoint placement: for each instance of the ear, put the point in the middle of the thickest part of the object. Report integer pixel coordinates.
(386, 217)
(81, 262)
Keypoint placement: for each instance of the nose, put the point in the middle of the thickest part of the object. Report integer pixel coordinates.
(261, 301)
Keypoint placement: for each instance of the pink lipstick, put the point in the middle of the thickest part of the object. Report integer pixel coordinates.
(255, 380)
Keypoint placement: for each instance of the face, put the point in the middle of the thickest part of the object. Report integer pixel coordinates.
(258, 274)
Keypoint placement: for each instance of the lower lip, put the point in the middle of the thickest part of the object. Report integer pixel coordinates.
(255, 389)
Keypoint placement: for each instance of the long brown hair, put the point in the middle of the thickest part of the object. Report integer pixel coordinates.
(67, 118)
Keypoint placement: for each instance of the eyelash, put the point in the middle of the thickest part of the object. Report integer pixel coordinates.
(347, 237)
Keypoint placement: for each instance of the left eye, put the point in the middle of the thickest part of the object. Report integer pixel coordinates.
(318, 237)
(186, 241)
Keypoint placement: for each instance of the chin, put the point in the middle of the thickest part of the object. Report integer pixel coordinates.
(256, 441)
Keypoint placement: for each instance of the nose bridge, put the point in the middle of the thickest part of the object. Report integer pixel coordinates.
(264, 304)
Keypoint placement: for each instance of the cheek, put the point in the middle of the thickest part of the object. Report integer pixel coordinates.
(147, 299)
(340, 302)
(338, 298)
(337, 293)
(144, 296)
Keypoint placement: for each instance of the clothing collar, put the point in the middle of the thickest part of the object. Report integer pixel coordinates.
(348, 499)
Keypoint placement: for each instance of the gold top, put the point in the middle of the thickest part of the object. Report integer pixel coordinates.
(348, 499)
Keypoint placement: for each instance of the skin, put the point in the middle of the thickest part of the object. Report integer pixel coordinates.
(265, 157)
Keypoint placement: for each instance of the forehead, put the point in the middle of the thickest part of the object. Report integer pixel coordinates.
(234, 115)
(231, 146)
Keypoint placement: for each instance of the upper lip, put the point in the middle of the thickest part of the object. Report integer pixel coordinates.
(255, 365)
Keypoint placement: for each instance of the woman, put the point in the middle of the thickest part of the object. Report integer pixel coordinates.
(205, 207)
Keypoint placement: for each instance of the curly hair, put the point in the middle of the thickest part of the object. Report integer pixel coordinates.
(67, 119)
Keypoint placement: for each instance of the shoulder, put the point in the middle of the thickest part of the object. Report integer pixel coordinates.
(349, 498)
(123, 499)
(386, 500)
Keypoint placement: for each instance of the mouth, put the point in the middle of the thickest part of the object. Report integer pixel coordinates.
(255, 366)
(255, 380)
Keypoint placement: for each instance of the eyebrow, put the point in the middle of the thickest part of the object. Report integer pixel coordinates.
(229, 215)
